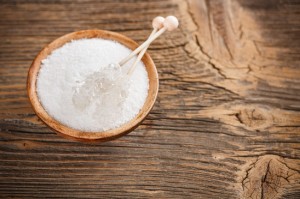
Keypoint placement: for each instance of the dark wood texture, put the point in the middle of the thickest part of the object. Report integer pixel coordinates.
(226, 123)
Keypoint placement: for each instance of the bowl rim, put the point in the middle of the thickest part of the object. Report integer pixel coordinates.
(78, 135)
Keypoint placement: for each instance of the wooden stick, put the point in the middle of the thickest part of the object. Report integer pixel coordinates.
(141, 54)
(142, 46)
(170, 23)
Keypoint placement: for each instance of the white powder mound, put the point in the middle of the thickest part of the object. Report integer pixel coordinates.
(72, 64)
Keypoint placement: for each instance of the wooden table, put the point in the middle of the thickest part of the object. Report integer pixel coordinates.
(226, 123)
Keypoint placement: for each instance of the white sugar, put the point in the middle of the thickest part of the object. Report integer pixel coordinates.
(66, 90)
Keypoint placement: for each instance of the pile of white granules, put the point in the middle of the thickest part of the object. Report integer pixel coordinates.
(67, 83)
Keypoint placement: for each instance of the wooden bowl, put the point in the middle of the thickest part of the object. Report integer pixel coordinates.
(90, 136)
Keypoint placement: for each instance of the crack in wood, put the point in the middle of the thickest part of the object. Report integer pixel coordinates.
(209, 58)
(238, 117)
(266, 177)
(201, 47)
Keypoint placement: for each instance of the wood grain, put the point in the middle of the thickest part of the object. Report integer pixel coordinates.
(226, 123)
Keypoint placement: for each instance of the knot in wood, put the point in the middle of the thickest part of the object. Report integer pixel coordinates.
(265, 177)
(255, 118)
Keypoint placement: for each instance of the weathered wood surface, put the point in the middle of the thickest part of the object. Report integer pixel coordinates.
(226, 123)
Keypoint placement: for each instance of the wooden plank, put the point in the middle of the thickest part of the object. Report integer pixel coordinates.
(226, 122)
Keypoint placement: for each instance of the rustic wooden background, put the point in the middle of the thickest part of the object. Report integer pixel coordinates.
(226, 123)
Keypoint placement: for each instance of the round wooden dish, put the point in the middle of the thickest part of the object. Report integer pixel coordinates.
(90, 136)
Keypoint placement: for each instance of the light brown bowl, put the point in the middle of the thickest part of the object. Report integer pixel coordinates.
(90, 136)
